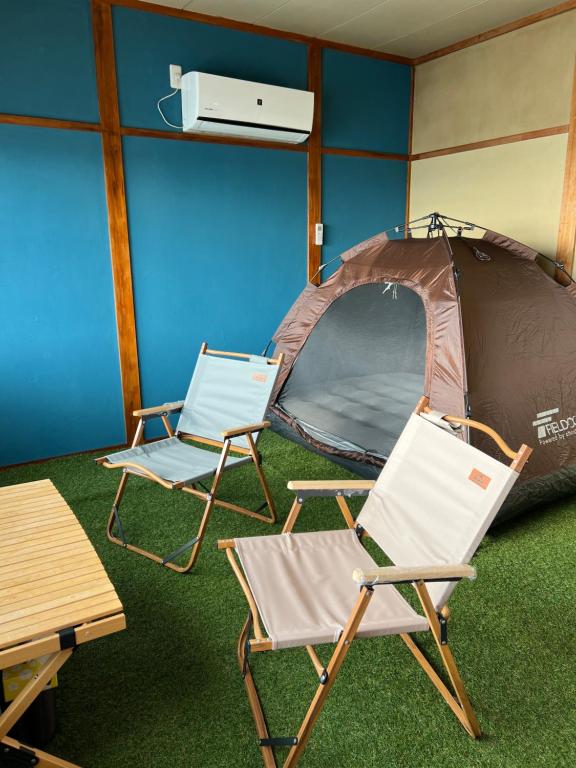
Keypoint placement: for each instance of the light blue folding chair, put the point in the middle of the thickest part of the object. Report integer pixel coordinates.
(225, 407)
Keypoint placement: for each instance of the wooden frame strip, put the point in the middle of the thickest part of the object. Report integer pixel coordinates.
(117, 212)
(409, 168)
(92, 630)
(512, 26)
(153, 133)
(566, 242)
(315, 165)
(243, 26)
(510, 139)
(364, 153)
(49, 122)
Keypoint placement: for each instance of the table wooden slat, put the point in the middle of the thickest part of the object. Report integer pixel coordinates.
(50, 575)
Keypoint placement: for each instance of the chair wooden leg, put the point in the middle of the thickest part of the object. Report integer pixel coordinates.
(114, 512)
(438, 683)
(211, 498)
(332, 670)
(466, 713)
(456, 680)
(292, 516)
(252, 695)
(263, 481)
(345, 509)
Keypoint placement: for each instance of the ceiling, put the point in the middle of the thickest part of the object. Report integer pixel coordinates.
(403, 27)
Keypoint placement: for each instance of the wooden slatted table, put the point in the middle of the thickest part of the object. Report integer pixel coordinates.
(54, 595)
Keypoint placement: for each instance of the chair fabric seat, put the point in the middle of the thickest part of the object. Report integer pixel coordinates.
(303, 587)
(175, 461)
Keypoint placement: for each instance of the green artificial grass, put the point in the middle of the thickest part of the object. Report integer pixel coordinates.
(167, 691)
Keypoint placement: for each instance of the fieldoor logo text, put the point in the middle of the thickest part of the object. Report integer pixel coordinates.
(551, 429)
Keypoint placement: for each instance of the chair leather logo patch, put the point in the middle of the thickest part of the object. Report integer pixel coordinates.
(480, 478)
(259, 377)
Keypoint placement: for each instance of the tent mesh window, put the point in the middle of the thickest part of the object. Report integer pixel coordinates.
(361, 371)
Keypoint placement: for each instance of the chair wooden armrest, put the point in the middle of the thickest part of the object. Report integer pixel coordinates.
(331, 487)
(160, 410)
(237, 431)
(395, 574)
(337, 489)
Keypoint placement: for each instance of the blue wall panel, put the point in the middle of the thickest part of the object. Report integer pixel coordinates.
(365, 103)
(360, 197)
(47, 59)
(218, 239)
(60, 382)
(146, 44)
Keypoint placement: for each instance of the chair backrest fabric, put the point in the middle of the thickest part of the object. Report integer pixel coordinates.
(225, 393)
(434, 500)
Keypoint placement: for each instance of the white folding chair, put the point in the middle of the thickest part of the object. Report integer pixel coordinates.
(428, 512)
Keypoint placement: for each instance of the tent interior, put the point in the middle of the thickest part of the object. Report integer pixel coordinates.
(361, 371)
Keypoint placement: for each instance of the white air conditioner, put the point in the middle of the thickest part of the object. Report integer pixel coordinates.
(228, 107)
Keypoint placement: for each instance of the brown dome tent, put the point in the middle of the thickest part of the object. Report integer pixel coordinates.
(475, 324)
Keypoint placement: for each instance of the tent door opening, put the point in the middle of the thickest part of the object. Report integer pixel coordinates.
(361, 371)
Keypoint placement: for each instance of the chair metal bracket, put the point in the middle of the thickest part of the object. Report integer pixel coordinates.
(279, 741)
(443, 629)
(330, 492)
(359, 530)
(323, 677)
(17, 757)
(158, 415)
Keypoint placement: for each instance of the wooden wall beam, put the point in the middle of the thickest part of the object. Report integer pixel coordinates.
(540, 133)
(206, 138)
(117, 212)
(409, 168)
(364, 153)
(48, 122)
(315, 163)
(567, 228)
(244, 26)
(504, 29)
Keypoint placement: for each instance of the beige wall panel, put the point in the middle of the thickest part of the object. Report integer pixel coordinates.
(511, 84)
(515, 189)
